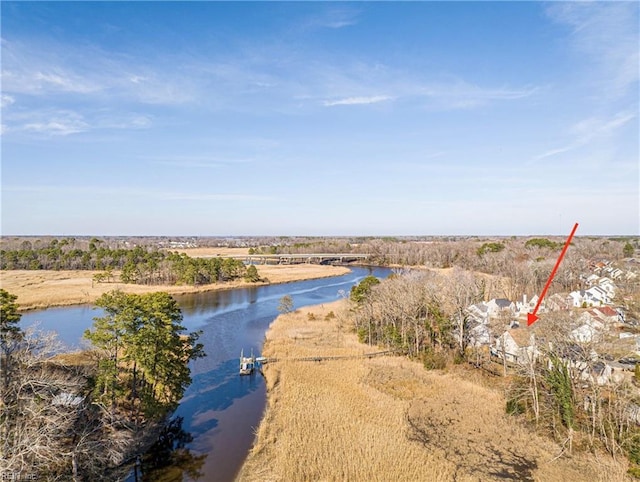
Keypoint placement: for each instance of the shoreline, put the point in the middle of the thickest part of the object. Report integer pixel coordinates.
(387, 418)
(42, 289)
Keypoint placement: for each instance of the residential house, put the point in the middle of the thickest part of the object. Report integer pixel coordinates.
(526, 305)
(600, 372)
(498, 305)
(592, 279)
(608, 315)
(558, 302)
(516, 345)
(480, 335)
(590, 330)
(479, 312)
(607, 285)
(577, 298)
(597, 296)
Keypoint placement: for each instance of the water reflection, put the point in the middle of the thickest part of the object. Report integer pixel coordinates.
(220, 410)
(169, 460)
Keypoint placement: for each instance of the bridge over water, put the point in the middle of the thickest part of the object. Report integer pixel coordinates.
(316, 258)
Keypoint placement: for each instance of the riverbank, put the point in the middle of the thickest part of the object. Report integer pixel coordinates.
(40, 289)
(390, 419)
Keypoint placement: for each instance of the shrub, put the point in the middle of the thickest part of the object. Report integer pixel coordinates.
(515, 407)
(434, 360)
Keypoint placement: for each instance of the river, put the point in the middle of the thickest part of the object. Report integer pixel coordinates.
(220, 410)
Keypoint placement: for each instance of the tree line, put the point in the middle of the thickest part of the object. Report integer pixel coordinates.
(83, 418)
(139, 265)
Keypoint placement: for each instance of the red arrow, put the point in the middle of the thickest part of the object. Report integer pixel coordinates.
(532, 317)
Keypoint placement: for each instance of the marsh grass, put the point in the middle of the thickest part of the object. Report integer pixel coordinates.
(389, 419)
(42, 288)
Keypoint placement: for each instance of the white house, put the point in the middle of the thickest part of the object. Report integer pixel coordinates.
(497, 305)
(589, 331)
(592, 279)
(525, 305)
(607, 285)
(577, 298)
(516, 345)
(479, 312)
(597, 296)
(480, 335)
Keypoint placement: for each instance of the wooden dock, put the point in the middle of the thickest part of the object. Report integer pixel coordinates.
(250, 364)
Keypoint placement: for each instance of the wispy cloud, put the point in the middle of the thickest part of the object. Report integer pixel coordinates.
(460, 94)
(61, 123)
(87, 72)
(6, 100)
(608, 33)
(357, 100)
(334, 18)
(64, 122)
(588, 130)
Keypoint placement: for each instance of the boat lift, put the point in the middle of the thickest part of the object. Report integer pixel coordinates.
(248, 365)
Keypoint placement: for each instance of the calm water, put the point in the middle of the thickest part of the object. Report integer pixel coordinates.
(220, 410)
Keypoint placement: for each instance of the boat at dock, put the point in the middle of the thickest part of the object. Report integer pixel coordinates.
(250, 364)
(247, 364)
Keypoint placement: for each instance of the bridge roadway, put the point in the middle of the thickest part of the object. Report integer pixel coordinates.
(316, 258)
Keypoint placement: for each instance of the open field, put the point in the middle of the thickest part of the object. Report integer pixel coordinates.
(212, 251)
(42, 289)
(388, 418)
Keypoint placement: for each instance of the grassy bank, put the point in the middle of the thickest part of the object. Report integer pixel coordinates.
(42, 289)
(389, 419)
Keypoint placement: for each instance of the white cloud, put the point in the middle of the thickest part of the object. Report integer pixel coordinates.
(357, 100)
(6, 100)
(60, 123)
(588, 131)
(463, 95)
(607, 32)
(334, 18)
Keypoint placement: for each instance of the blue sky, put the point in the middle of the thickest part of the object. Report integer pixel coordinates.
(220, 118)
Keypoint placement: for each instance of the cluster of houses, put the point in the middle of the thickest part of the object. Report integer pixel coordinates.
(501, 325)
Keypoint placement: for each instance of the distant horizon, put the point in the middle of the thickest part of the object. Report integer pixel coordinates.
(320, 117)
(232, 236)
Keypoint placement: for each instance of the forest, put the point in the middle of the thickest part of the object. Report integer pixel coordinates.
(138, 265)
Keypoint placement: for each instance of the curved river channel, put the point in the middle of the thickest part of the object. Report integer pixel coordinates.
(220, 410)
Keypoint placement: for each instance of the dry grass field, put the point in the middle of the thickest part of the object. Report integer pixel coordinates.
(42, 289)
(388, 419)
(212, 251)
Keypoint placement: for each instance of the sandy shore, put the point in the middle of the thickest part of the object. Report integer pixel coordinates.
(388, 418)
(42, 289)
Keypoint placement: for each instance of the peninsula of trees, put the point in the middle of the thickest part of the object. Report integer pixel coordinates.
(83, 418)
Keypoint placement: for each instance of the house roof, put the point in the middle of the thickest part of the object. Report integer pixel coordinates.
(479, 307)
(606, 311)
(502, 302)
(522, 336)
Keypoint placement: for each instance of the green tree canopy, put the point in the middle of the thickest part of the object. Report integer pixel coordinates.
(627, 250)
(360, 291)
(252, 275)
(9, 317)
(145, 353)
